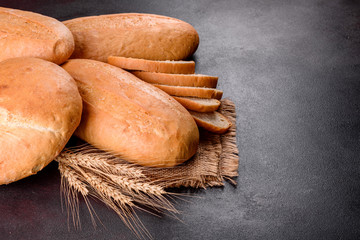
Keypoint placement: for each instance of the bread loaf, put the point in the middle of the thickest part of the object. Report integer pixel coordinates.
(28, 34)
(133, 35)
(40, 107)
(184, 67)
(198, 92)
(190, 80)
(131, 118)
(199, 104)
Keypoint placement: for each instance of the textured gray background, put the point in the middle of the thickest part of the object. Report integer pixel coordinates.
(293, 70)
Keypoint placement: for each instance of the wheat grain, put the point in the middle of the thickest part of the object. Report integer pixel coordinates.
(107, 190)
(132, 185)
(70, 186)
(73, 179)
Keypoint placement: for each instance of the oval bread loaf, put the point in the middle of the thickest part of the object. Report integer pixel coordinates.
(131, 118)
(28, 34)
(40, 107)
(133, 35)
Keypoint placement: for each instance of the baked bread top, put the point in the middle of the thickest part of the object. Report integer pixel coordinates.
(134, 35)
(131, 118)
(40, 107)
(28, 34)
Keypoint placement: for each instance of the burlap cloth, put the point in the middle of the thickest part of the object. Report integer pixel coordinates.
(216, 160)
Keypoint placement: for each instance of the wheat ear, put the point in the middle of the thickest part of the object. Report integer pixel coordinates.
(119, 185)
(101, 161)
(71, 185)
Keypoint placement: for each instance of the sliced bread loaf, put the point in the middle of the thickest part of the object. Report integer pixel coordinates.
(198, 104)
(185, 67)
(198, 92)
(214, 122)
(191, 80)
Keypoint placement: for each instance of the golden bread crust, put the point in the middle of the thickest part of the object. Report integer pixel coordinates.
(135, 35)
(40, 107)
(28, 34)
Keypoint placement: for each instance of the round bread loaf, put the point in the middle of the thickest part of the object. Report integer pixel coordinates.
(130, 118)
(28, 34)
(132, 35)
(40, 107)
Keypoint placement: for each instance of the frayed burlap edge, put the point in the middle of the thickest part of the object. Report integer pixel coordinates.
(229, 158)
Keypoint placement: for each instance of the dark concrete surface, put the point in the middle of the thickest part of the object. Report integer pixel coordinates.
(293, 70)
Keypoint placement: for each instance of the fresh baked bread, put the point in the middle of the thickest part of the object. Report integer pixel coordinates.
(184, 67)
(198, 92)
(28, 34)
(198, 104)
(131, 118)
(40, 107)
(133, 35)
(190, 80)
(214, 121)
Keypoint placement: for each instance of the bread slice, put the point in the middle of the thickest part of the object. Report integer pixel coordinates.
(198, 92)
(185, 67)
(198, 104)
(191, 80)
(214, 122)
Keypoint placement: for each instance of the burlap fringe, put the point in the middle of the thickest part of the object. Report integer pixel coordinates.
(229, 162)
(195, 172)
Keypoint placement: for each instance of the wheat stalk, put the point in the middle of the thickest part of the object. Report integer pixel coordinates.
(72, 183)
(119, 185)
(73, 179)
(99, 160)
(132, 185)
(106, 190)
